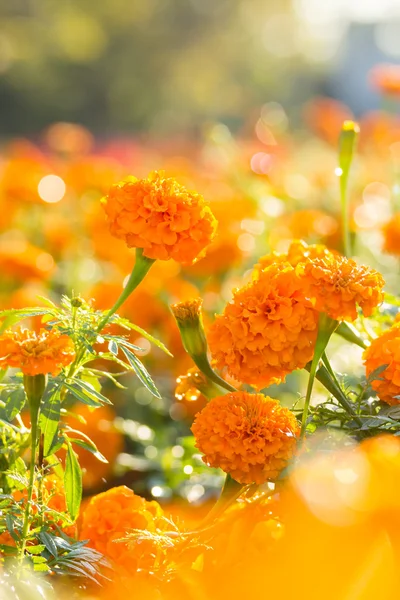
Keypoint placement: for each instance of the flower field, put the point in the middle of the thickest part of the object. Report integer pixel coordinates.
(200, 360)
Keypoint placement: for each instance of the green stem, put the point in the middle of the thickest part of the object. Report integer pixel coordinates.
(310, 385)
(345, 216)
(34, 413)
(326, 326)
(203, 363)
(230, 492)
(332, 385)
(139, 271)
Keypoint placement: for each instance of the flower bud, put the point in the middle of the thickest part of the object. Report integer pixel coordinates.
(190, 323)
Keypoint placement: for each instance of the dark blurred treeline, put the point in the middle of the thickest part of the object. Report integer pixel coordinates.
(140, 65)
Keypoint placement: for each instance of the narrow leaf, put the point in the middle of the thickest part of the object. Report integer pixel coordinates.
(141, 372)
(72, 482)
(49, 419)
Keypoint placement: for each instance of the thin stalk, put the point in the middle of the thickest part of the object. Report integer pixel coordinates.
(310, 385)
(139, 271)
(34, 441)
(203, 363)
(324, 377)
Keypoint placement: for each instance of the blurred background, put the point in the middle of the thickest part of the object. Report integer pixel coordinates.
(162, 66)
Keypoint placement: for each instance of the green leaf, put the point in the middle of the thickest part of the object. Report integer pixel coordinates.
(15, 403)
(113, 348)
(49, 542)
(12, 316)
(41, 568)
(72, 482)
(89, 392)
(128, 325)
(50, 418)
(141, 372)
(82, 396)
(38, 549)
(90, 447)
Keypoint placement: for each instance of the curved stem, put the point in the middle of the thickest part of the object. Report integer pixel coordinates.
(139, 271)
(203, 363)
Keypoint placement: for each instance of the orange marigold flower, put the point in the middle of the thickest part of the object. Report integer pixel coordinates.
(267, 331)
(160, 216)
(336, 285)
(250, 436)
(391, 234)
(298, 252)
(110, 516)
(386, 79)
(385, 350)
(189, 390)
(36, 352)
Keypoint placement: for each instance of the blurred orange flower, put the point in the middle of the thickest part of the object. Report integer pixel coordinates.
(36, 352)
(160, 216)
(336, 285)
(188, 390)
(267, 331)
(385, 350)
(21, 260)
(110, 516)
(99, 427)
(386, 79)
(308, 224)
(325, 116)
(391, 233)
(250, 436)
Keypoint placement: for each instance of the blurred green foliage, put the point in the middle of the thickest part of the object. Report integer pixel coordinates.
(139, 65)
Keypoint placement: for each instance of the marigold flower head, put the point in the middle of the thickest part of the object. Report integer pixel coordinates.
(391, 234)
(336, 285)
(110, 516)
(250, 436)
(160, 216)
(267, 331)
(36, 352)
(298, 252)
(385, 350)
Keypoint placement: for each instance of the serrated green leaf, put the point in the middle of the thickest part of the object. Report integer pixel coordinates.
(12, 316)
(89, 392)
(90, 447)
(50, 418)
(41, 568)
(49, 542)
(38, 549)
(14, 403)
(128, 325)
(82, 396)
(141, 372)
(113, 348)
(72, 482)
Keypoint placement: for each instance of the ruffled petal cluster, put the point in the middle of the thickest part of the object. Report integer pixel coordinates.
(250, 436)
(36, 353)
(385, 350)
(111, 516)
(298, 252)
(267, 331)
(337, 285)
(160, 216)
